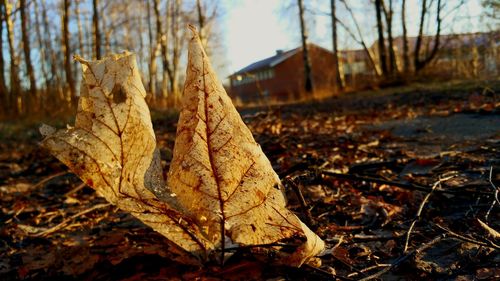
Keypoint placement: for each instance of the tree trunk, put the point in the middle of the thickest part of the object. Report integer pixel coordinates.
(107, 31)
(80, 29)
(4, 97)
(152, 57)
(420, 64)
(15, 85)
(201, 22)
(435, 48)
(381, 42)
(32, 99)
(305, 51)
(393, 67)
(339, 77)
(142, 53)
(42, 50)
(66, 48)
(406, 49)
(162, 38)
(97, 30)
(360, 40)
(176, 41)
(418, 43)
(55, 79)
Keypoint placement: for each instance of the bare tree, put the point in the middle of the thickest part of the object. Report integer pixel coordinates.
(27, 55)
(97, 30)
(41, 49)
(153, 51)
(67, 52)
(201, 21)
(127, 24)
(305, 51)
(406, 51)
(55, 79)
(381, 41)
(80, 29)
(207, 13)
(176, 46)
(162, 38)
(106, 30)
(491, 9)
(421, 63)
(388, 12)
(359, 40)
(15, 86)
(141, 40)
(339, 77)
(3, 85)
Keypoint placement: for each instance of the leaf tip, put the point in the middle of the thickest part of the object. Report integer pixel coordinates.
(80, 59)
(194, 31)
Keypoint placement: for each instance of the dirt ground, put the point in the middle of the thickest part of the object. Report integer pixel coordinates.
(400, 185)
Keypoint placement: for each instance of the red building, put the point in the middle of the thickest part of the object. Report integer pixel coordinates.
(281, 77)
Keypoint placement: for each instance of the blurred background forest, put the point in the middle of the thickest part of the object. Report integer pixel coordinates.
(380, 117)
(370, 44)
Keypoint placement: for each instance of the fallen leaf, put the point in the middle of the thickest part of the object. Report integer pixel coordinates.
(222, 189)
(220, 173)
(112, 148)
(493, 233)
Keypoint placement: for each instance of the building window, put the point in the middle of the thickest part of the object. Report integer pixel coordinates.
(242, 79)
(237, 80)
(265, 74)
(355, 67)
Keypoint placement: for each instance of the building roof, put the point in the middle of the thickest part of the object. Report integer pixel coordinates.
(447, 40)
(278, 58)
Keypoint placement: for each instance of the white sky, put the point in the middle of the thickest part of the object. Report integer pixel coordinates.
(255, 29)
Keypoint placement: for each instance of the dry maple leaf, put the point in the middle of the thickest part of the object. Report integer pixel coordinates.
(221, 174)
(112, 148)
(221, 188)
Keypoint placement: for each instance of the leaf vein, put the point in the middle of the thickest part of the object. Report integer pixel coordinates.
(240, 182)
(95, 162)
(101, 141)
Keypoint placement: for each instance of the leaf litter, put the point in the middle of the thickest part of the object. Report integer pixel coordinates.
(364, 222)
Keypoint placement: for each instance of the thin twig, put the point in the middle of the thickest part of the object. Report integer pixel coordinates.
(49, 178)
(402, 185)
(496, 189)
(362, 238)
(370, 268)
(338, 243)
(303, 203)
(350, 266)
(468, 239)
(330, 250)
(495, 196)
(489, 209)
(80, 186)
(421, 208)
(400, 260)
(66, 221)
(269, 245)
